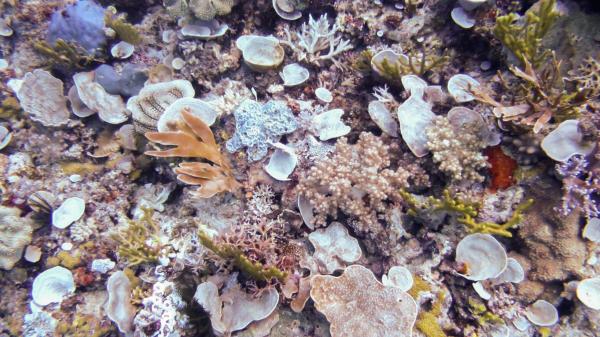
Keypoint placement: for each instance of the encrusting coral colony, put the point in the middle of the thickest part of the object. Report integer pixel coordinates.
(343, 168)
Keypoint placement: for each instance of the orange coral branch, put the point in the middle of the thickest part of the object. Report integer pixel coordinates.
(195, 139)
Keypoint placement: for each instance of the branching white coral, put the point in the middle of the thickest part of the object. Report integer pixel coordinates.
(317, 41)
(261, 203)
(383, 95)
(163, 309)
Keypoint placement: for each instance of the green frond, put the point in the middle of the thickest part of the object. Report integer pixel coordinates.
(524, 39)
(125, 31)
(465, 212)
(66, 56)
(227, 251)
(140, 242)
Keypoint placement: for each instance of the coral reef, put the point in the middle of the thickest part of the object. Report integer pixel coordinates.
(524, 40)
(234, 309)
(161, 313)
(457, 152)
(299, 168)
(257, 125)
(316, 42)
(549, 238)
(357, 179)
(41, 96)
(580, 186)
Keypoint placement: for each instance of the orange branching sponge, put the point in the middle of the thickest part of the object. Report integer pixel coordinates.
(195, 139)
(502, 168)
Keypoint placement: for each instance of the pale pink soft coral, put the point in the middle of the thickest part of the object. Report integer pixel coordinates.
(358, 180)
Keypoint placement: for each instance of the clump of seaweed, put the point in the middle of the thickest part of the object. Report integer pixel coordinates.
(524, 39)
(391, 66)
(542, 95)
(124, 30)
(140, 242)
(465, 212)
(195, 139)
(9, 107)
(427, 320)
(229, 251)
(64, 56)
(482, 314)
(416, 63)
(362, 61)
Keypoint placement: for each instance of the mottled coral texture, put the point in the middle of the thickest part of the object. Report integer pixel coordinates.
(457, 152)
(205, 62)
(551, 243)
(360, 180)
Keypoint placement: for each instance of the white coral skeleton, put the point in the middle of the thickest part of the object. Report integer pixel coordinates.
(317, 42)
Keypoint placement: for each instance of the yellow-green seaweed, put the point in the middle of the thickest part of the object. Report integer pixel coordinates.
(9, 107)
(229, 252)
(524, 40)
(362, 62)
(427, 320)
(83, 326)
(79, 168)
(414, 63)
(481, 314)
(466, 213)
(419, 285)
(140, 242)
(125, 31)
(64, 55)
